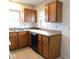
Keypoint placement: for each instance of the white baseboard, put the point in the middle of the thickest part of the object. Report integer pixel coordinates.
(63, 57)
(59, 58)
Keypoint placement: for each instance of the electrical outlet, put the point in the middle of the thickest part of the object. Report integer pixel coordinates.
(56, 26)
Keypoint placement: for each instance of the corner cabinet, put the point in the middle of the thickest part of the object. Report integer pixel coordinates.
(13, 37)
(18, 40)
(30, 15)
(49, 46)
(53, 12)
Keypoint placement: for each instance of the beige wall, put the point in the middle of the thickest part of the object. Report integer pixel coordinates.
(20, 7)
(64, 27)
(65, 49)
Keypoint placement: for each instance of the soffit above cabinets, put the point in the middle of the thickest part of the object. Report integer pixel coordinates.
(30, 2)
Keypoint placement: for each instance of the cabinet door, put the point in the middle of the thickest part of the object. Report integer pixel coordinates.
(34, 15)
(30, 15)
(26, 15)
(45, 39)
(40, 44)
(40, 47)
(46, 12)
(23, 39)
(52, 12)
(29, 37)
(13, 40)
(45, 51)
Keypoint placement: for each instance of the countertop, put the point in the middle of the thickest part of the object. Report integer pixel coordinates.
(39, 31)
(44, 32)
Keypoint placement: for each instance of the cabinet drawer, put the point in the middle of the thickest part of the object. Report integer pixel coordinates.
(45, 39)
(45, 51)
(11, 34)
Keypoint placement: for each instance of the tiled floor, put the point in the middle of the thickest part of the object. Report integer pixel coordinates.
(25, 53)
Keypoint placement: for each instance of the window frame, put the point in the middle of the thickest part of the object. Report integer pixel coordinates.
(13, 10)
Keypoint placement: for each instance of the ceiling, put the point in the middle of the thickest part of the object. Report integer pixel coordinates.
(30, 2)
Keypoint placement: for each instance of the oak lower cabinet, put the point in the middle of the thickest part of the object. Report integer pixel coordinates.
(13, 37)
(29, 37)
(18, 40)
(39, 47)
(23, 39)
(39, 44)
(45, 50)
(49, 46)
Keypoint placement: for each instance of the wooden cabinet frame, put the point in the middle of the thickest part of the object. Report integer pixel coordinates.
(53, 11)
(30, 15)
(18, 40)
(53, 46)
(50, 50)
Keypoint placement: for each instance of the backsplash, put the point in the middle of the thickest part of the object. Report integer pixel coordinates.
(25, 25)
(43, 25)
(51, 26)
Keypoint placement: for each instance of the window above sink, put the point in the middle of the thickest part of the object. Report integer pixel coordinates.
(14, 18)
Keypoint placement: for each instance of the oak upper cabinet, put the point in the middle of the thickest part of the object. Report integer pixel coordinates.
(34, 15)
(27, 17)
(46, 12)
(30, 15)
(53, 11)
(23, 39)
(13, 40)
